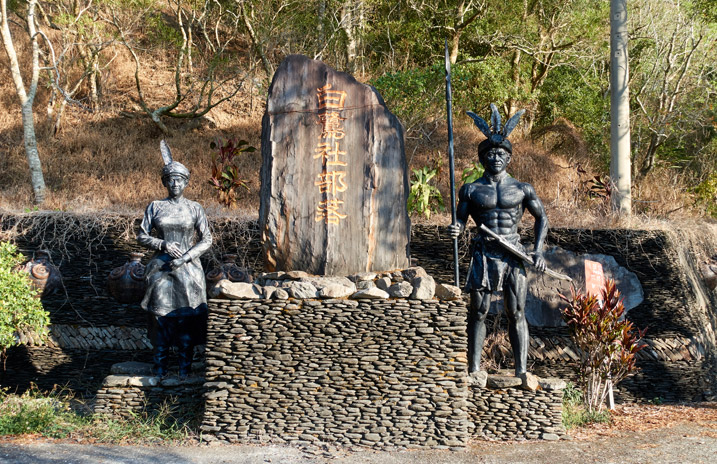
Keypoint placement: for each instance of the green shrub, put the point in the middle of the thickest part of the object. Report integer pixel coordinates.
(419, 94)
(424, 197)
(706, 195)
(572, 394)
(413, 95)
(20, 309)
(162, 33)
(51, 414)
(578, 97)
(477, 84)
(472, 173)
(36, 413)
(575, 414)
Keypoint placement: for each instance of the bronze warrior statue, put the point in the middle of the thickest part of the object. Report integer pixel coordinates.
(176, 291)
(497, 202)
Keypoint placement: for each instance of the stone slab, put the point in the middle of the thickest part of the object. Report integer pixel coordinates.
(334, 179)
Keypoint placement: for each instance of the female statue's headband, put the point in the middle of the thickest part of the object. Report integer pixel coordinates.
(171, 166)
(496, 136)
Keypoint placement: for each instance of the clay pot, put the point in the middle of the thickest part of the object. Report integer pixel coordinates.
(45, 277)
(126, 283)
(228, 270)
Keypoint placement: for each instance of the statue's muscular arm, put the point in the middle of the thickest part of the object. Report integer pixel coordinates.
(462, 211)
(535, 207)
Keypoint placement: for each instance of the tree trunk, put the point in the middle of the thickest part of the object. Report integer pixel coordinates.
(58, 117)
(649, 162)
(26, 98)
(94, 82)
(620, 170)
(353, 24)
(512, 103)
(351, 43)
(461, 23)
(33, 158)
(321, 16)
(156, 116)
(190, 44)
(268, 68)
(455, 40)
(90, 61)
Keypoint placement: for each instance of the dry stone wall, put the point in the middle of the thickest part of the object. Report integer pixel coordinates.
(132, 391)
(668, 309)
(513, 414)
(98, 338)
(373, 373)
(377, 373)
(87, 248)
(674, 381)
(46, 367)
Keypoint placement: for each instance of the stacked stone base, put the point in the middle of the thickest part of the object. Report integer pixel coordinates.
(493, 414)
(516, 414)
(377, 373)
(123, 395)
(358, 372)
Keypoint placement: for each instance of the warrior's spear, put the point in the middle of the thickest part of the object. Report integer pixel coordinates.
(450, 161)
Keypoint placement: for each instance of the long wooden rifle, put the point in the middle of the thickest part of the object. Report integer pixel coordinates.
(515, 251)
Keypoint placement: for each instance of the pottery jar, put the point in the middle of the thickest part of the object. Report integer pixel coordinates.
(228, 270)
(45, 277)
(126, 283)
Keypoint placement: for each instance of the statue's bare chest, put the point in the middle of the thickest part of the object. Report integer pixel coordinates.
(504, 195)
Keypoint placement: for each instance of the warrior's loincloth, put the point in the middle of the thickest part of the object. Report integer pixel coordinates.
(491, 263)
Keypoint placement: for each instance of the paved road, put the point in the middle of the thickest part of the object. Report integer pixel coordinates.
(683, 443)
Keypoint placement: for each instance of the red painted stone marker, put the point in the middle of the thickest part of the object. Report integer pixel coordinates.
(594, 278)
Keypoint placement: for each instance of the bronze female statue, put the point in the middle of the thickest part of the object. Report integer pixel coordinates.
(176, 291)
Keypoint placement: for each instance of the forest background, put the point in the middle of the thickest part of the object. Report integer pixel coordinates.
(116, 76)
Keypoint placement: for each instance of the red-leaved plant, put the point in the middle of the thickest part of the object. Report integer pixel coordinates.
(607, 343)
(225, 175)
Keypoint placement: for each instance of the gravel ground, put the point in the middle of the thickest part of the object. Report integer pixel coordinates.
(665, 434)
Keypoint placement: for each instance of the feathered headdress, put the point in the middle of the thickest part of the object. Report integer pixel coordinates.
(171, 166)
(496, 135)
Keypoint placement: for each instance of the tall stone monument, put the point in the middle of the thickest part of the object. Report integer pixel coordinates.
(334, 180)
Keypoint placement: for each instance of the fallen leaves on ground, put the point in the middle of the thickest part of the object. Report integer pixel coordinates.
(644, 417)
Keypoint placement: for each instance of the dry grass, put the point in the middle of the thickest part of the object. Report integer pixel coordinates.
(101, 160)
(555, 160)
(104, 161)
